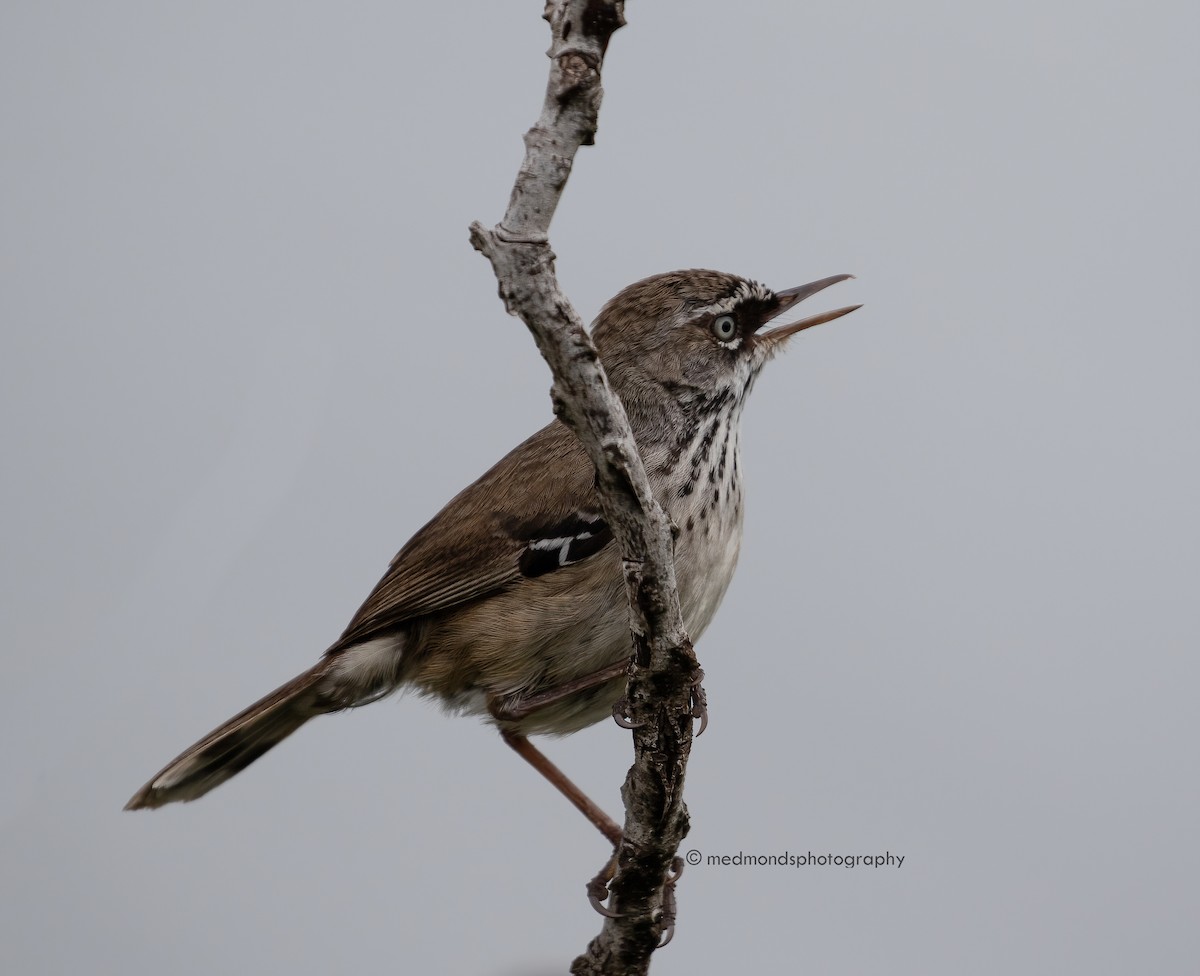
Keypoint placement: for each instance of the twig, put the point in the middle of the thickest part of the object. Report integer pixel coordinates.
(665, 680)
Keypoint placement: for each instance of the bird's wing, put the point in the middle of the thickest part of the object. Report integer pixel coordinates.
(532, 513)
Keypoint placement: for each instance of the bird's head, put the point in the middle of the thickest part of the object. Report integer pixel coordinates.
(698, 331)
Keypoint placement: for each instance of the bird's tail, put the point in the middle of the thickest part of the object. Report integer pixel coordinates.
(236, 744)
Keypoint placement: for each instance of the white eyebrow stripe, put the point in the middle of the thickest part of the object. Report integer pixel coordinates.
(745, 291)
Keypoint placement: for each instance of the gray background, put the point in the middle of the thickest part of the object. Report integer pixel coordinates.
(247, 351)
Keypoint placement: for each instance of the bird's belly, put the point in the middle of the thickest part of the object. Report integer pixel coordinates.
(705, 559)
(567, 625)
(529, 640)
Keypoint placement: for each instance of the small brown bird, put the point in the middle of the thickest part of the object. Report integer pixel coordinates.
(511, 601)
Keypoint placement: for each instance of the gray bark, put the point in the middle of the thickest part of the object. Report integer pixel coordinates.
(664, 683)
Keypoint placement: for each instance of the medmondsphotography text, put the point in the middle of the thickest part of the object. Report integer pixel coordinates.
(796, 860)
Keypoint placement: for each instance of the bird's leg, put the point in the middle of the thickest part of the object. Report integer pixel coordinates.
(513, 710)
(532, 755)
(509, 710)
(597, 888)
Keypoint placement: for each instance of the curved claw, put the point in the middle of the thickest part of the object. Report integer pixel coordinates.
(620, 714)
(669, 904)
(601, 908)
(700, 703)
(597, 890)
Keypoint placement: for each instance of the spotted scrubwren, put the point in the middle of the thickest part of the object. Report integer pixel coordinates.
(510, 602)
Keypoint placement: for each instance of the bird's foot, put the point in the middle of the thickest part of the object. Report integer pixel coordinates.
(597, 888)
(699, 702)
(669, 904)
(620, 714)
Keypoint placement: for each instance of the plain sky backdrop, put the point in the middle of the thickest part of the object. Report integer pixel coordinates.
(248, 350)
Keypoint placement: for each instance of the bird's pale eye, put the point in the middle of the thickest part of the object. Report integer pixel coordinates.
(724, 327)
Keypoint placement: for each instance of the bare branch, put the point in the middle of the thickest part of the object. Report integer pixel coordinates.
(665, 680)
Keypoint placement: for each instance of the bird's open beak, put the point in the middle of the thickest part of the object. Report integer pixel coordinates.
(793, 296)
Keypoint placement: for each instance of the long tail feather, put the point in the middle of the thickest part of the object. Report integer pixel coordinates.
(236, 744)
